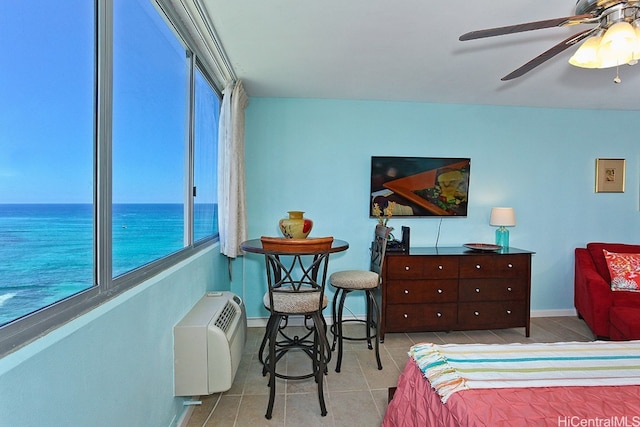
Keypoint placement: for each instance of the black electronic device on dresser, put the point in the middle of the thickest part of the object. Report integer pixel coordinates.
(400, 245)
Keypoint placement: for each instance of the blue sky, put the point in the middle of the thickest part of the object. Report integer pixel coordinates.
(46, 104)
(46, 101)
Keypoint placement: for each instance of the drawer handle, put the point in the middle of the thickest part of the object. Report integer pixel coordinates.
(510, 265)
(406, 316)
(509, 288)
(440, 267)
(439, 291)
(478, 266)
(406, 291)
(476, 313)
(406, 268)
(438, 314)
(508, 311)
(477, 290)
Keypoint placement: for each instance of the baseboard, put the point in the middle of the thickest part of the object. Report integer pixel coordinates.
(568, 312)
(183, 421)
(257, 322)
(261, 322)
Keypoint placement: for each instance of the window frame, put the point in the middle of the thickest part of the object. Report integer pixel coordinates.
(23, 331)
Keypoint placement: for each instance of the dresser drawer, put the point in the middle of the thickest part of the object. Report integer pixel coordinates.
(493, 289)
(440, 267)
(488, 315)
(512, 266)
(421, 291)
(494, 266)
(403, 267)
(420, 317)
(418, 267)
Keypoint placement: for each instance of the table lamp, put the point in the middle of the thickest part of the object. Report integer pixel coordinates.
(502, 217)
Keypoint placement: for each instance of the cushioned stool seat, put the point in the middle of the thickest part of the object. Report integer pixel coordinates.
(294, 302)
(624, 323)
(355, 279)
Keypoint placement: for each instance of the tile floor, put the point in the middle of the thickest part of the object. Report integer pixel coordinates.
(357, 396)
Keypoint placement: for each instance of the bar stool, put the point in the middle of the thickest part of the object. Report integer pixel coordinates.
(296, 276)
(368, 281)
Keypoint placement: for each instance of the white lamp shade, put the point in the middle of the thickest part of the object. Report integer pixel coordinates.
(620, 37)
(613, 58)
(587, 54)
(503, 217)
(617, 45)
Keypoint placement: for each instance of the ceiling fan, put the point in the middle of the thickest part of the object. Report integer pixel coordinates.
(603, 13)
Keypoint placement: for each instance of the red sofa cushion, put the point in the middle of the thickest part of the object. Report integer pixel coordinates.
(595, 249)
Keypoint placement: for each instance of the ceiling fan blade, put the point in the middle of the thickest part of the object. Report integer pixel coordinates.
(560, 47)
(528, 26)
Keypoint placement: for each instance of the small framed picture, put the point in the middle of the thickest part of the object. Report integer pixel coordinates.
(610, 175)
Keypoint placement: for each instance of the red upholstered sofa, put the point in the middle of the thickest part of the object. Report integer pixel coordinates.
(594, 300)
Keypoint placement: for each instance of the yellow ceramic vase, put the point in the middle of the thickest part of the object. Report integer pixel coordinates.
(296, 226)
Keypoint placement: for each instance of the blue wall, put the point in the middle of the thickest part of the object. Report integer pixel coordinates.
(314, 156)
(114, 365)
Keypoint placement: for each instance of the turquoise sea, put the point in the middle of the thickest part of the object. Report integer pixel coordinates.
(46, 251)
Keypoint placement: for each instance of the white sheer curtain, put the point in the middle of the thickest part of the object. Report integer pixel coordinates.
(232, 215)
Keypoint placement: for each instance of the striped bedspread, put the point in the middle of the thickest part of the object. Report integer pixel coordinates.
(454, 367)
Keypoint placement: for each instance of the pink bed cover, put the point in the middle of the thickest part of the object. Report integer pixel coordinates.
(415, 403)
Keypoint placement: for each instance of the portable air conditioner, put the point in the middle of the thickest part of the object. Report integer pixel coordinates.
(208, 345)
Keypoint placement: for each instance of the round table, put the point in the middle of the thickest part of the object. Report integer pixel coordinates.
(255, 246)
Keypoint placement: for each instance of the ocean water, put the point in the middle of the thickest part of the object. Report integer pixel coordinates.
(46, 251)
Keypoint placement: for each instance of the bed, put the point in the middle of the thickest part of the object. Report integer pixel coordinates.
(556, 384)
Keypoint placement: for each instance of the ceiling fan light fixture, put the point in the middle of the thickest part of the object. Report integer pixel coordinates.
(620, 37)
(610, 57)
(618, 45)
(587, 54)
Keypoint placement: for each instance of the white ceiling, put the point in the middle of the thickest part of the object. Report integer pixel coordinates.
(408, 50)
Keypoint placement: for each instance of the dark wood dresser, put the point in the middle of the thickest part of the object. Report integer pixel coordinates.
(454, 288)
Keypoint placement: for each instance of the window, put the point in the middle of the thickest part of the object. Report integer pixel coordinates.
(207, 109)
(63, 176)
(150, 111)
(46, 160)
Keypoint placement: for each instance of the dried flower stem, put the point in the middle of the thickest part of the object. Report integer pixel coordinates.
(383, 215)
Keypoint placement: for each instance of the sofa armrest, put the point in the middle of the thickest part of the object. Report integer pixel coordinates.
(593, 296)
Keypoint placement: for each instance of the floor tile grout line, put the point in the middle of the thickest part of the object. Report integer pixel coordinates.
(212, 410)
(543, 331)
